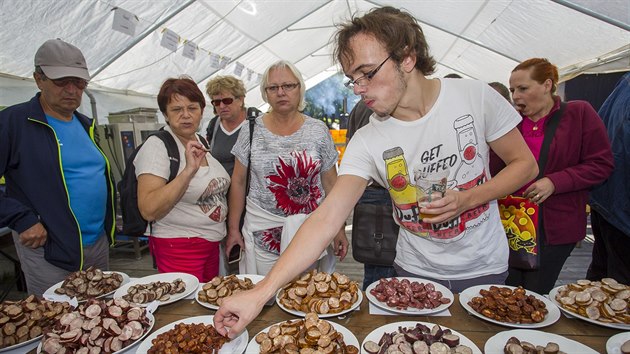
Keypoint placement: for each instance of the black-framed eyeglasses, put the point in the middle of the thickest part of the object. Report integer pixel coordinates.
(226, 101)
(284, 87)
(365, 79)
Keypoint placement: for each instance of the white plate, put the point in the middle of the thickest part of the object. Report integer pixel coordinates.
(553, 313)
(130, 346)
(52, 296)
(191, 285)
(22, 347)
(321, 315)
(255, 278)
(496, 343)
(348, 337)
(552, 297)
(446, 293)
(375, 335)
(613, 345)
(235, 346)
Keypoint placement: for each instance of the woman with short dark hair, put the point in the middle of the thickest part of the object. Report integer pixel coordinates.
(189, 212)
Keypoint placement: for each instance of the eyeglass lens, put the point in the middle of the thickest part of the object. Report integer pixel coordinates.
(284, 87)
(63, 82)
(226, 101)
(363, 80)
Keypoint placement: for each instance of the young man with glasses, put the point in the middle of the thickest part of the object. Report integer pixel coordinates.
(59, 193)
(418, 124)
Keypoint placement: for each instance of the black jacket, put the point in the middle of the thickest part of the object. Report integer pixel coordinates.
(30, 161)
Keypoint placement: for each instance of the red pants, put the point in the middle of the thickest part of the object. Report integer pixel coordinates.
(193, 255)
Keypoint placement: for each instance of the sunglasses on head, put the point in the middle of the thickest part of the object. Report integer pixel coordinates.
(226, 101)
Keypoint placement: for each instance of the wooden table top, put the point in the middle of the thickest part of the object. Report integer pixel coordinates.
(361, 323)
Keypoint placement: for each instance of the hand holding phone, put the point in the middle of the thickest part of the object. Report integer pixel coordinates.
(236, 253)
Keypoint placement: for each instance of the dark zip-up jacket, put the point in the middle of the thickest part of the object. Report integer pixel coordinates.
(36, 191)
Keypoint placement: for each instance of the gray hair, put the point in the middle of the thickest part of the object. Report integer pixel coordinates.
(281, 64)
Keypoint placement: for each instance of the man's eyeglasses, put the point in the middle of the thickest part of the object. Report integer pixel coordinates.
(64, 81)
(284, 87)
(226, 101)
(365, 79)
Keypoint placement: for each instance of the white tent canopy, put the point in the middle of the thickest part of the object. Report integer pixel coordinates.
(475, 38)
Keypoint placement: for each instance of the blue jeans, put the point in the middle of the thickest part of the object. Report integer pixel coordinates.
(372, 272)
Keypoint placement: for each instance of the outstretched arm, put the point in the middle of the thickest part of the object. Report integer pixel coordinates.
(340, 242)
(312, 238)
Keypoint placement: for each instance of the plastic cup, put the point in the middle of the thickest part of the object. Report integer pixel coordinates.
(429, 187)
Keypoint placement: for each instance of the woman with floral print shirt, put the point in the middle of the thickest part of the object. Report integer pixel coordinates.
(292, 169)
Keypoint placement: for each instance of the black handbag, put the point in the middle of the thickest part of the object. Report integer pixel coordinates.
(374, 234)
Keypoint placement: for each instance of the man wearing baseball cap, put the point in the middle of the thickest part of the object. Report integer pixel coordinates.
(59, 196)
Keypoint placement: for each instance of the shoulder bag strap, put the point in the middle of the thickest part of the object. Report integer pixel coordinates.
(203, 140)
(251, 120)
(172, 151)
(173, 157)
(550, 131)
(215, 122)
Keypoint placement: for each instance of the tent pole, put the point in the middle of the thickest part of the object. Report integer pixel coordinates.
(142, 36)
(92, 104)
(594, 14)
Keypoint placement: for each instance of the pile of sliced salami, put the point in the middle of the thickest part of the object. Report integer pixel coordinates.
(107, 325)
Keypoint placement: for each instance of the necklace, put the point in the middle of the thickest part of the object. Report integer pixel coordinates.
(539, 124)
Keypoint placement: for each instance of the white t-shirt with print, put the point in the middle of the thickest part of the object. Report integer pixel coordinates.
(286, 173)
(453, 135)
(202, 210)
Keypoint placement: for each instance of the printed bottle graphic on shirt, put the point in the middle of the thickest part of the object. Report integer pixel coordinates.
(403, 193)
(471, 169)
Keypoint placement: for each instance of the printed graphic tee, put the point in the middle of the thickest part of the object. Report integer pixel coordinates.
(453, 136)
(286, 171)
(202, 210)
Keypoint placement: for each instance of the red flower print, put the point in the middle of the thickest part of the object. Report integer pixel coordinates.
(295, 184)
(270, 239)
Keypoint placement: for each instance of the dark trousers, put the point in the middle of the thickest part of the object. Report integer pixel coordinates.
(372, 272)
(611, 252)
(543, 279)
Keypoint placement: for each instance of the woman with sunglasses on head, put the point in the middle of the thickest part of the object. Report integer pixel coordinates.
(292, 168)
(188, 212)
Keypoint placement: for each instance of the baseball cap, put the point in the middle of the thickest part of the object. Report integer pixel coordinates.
(60, 59)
